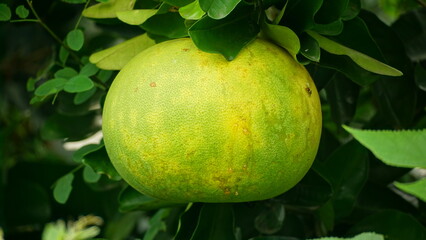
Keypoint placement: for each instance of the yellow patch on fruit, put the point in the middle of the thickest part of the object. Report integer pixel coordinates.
(183, 125)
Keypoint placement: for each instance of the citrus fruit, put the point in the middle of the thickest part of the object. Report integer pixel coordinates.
(184, 125)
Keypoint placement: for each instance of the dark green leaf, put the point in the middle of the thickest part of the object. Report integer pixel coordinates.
(5, 13)
(80, 153)
(347, 171)
(226, 36)
(218, 9)
(396, 148)
(411, 29)
(170, 25)
(75, 39)
(420, 77)
(342, 95)
(132, 200)
(300, 14)
(101, 163)
(89, 69)
(312, 191)
(352, 9)
(66, 73)
(60, 126)
(156, 224)
(89, 175)
(331, 11)
(79, 83)
(74, 1)
(188, 221)
(393, 224)
(51, 86)
(216, 221)
(121, 226)
(178, 3)
(63, 188)
(310, 48)
(331, 29)
(22, 11)
(274, 238)
(82, 97)
(270, 219)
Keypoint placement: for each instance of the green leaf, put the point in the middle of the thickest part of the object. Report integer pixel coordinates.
(218, 9)
(59, 126)
(347, 171)
(5, 13)
(66, 73)
(89, 175)
(75, 39)
(300, 14)
(192, 11)
(83, 151)
(311, 192)
(63, 55)
(403, 148)
(310, 48)
(89, 69)
(364, 61)
(395, 225)
(226, 36)
(156, 224)
(82, 97)
(270, 219)
(22, 11)
(284, 37)
(50, 87)
(177, 3)
(108, 9)
(170, 25)
(79, 83)
(342, 95)
(420, 77)
(416, 188)
(137, 16)
(121, 226)
(63, 188)
(361, 236)
(116, 57)
(132, 200)
(101, 163)
(216, 221)
(352, 9)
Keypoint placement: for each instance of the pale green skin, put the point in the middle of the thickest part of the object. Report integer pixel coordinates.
(183, 125)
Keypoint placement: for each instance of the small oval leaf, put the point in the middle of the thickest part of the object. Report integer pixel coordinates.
(75, 39)
(63, 188)
(50, 87)
(22, 11)
(5, 13)
(79, 83)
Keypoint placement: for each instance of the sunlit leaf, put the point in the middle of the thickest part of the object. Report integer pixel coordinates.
(284, 37)
(79, 83)
(116, 57)
(218, 9)
(192, 11)
(63, 188)
(75, 39)
(405, 148)
(361, 59)
(417, 188)
(361, 236)
(137, 16)
(108, 9)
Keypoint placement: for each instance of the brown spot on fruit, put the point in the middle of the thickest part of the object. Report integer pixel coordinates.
(308, 90)
(185, 49)
(153, 84)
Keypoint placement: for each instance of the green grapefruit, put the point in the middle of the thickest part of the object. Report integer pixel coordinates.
(183, 125)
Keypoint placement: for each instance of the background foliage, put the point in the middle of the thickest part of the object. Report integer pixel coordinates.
(60, 57)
